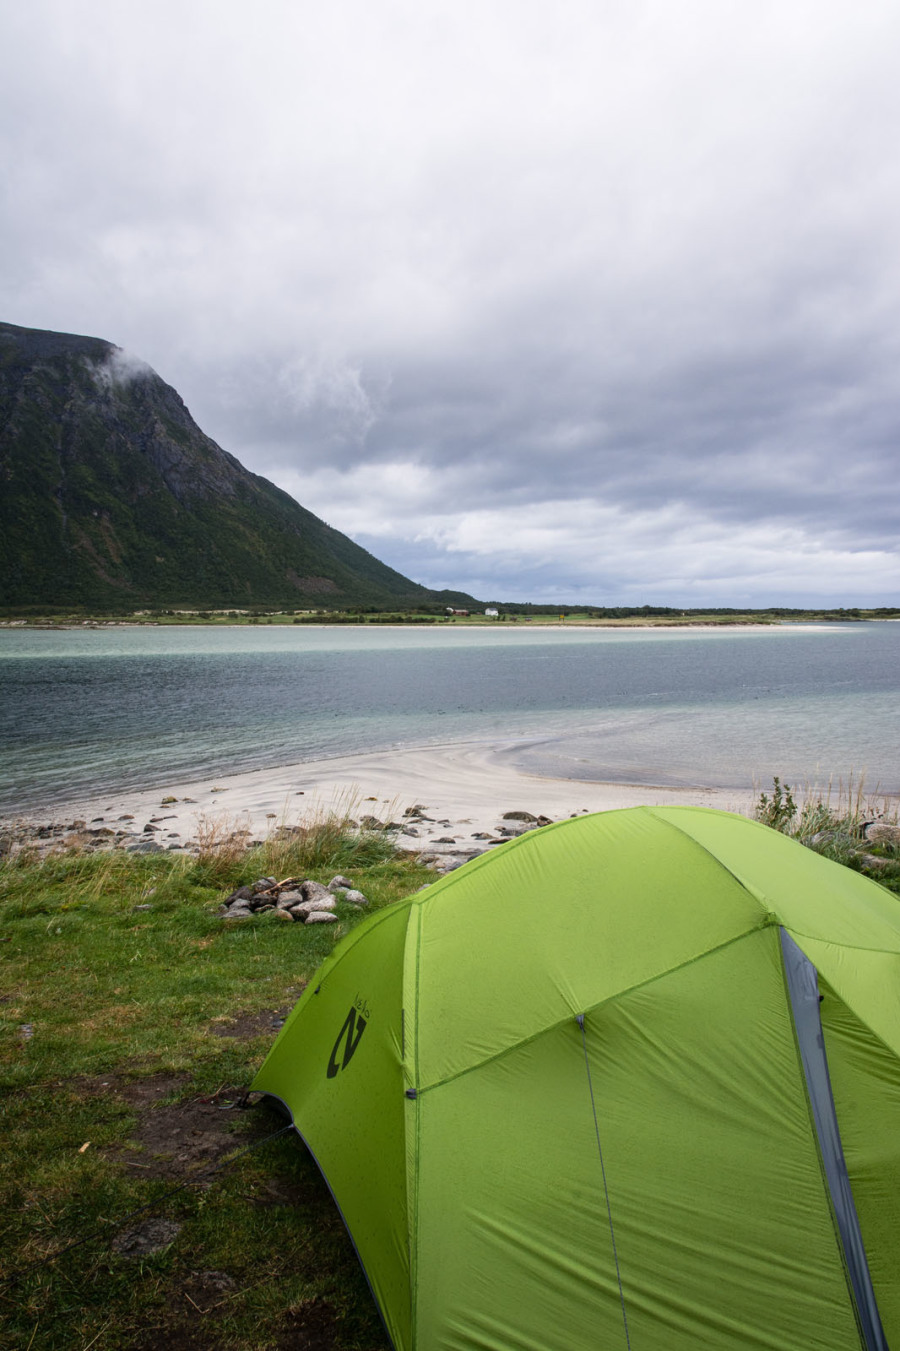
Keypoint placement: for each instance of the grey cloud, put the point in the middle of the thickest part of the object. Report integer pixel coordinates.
(633, 259)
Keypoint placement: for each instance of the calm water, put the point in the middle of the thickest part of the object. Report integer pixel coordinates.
(109, 709)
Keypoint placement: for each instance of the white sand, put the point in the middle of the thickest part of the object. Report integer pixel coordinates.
(462, 787)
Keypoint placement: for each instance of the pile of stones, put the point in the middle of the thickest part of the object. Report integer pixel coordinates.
(294, 898)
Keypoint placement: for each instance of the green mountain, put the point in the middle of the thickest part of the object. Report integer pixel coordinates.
(111, 496)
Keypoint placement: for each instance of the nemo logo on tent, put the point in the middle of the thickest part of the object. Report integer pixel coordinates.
(351, 1035)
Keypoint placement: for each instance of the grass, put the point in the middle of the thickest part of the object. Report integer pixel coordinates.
(833, 820)
(120, 979)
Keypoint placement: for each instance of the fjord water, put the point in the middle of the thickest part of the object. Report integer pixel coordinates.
(102, 710)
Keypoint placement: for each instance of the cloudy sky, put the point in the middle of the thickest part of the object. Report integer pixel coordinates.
(585, 300)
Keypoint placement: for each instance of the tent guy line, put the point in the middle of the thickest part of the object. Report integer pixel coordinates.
(612, 1233)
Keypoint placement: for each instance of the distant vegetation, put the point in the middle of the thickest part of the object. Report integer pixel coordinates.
(435, 613)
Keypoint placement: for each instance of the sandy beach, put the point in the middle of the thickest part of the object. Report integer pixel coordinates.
(461, 789)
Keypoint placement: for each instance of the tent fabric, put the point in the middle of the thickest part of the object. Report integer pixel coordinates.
(560, 1099)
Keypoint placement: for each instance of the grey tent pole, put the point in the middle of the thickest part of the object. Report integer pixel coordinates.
(803, 988)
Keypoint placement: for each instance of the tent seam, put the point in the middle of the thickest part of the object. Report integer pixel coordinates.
(751, 891)
(850, 947)
(591, 1008)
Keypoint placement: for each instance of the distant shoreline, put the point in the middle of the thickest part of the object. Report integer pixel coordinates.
(608, 625)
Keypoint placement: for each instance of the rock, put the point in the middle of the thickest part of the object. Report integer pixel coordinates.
(326, 902)
(821, 838)
(313, 891)
(242, 894)
(454, 861)
(879, 832)
(167, 801)
(126, 818)
(445, 839)
(288, 899)
(320, 917)
(416, 809)
(355, 898)
(263, 883)
(370, 823)
(283, 914)
(145, 847)
(339, 881)
(240, 910)
(149, 828)
(411, 830)
(518, 816)
(874, 862)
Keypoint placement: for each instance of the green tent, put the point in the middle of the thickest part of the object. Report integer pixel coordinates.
(631, 1080)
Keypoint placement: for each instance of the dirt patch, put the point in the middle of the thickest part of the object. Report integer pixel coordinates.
(138, 1093)
(181, 1336)
(175, 1139)
(181, 1138)
(284, 1192)
(247, 1025)
(310, 1326)
(151, 1236)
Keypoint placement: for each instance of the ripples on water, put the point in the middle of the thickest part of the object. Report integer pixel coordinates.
(108, 709)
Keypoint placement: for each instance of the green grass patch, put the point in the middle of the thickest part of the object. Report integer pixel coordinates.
(132, 1020)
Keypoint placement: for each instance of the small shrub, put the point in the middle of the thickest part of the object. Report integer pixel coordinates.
(779, 810)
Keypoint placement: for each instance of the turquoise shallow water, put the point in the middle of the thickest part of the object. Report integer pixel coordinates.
(104, 710)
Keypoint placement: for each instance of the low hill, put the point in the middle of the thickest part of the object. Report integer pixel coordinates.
(111, 496)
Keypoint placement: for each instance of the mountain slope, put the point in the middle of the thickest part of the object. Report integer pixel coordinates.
(111, 495)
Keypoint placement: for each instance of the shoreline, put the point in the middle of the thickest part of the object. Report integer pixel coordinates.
(461, 789)
(614, 626)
